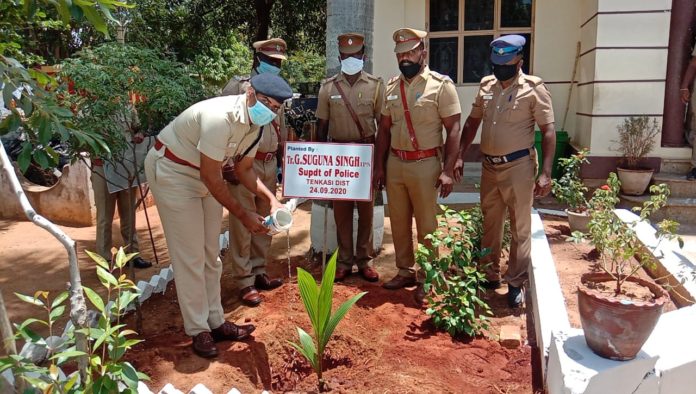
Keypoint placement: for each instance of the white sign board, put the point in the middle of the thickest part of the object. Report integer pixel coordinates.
(328, 171)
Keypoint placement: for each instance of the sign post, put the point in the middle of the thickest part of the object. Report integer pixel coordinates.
(330, 171)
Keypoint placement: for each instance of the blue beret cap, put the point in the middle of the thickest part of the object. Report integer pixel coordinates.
(505, 48)
(272, 86)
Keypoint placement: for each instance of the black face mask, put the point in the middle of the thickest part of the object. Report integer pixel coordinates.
(409, 69)
(503, 72)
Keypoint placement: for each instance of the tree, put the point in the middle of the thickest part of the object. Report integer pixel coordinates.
(342, 16)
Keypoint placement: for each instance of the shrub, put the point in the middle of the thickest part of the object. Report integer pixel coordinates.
(453, 280)
(637, 139)
(106, 370)
(570, 189)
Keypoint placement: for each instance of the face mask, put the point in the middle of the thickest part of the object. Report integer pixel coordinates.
(351, 65)
(260, 114)
(504, 71)
(264, 67)
(409, 69)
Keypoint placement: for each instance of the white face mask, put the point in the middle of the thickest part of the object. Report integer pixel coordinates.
(351, 65)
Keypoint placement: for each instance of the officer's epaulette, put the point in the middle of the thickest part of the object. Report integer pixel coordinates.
(532, 79)
(440, 77)
(393, 80)
(329, 79)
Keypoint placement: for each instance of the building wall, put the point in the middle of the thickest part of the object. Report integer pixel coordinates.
(621, 68)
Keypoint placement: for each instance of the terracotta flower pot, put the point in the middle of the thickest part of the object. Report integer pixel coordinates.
(578, 221)
(634, 182)
(617, 329)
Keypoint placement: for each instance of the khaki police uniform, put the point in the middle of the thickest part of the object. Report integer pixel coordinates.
(247, 253)
(191, 217)
(509, 116)
(410, 184)
(105, 202)
(366, 97)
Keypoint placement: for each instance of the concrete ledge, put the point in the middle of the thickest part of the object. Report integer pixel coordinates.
(548, 311)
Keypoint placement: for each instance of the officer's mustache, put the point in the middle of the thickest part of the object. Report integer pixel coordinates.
(406, 63)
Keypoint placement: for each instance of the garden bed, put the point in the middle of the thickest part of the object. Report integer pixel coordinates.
(384, 344)
(572, 260)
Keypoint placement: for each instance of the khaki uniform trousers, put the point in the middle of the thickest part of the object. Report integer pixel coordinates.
(508, 187)
(191, 218)
(411, 193)
(364, 245)
(247, 253)
(105, 203)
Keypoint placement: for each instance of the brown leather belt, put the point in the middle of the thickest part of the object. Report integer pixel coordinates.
(366, 140)
(410, 155)
(171, 156)
(265, 156)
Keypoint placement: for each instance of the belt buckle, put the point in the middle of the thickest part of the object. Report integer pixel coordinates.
(269, 157)
(496, 159)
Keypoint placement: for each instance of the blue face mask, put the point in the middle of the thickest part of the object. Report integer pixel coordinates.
(264, 67)
(260, 114)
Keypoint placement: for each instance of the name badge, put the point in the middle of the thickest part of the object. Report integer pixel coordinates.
(232, 145)
(335, 97)
(488, 96)
(392, 97)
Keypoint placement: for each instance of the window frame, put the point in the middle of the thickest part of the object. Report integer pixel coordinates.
(496, 32)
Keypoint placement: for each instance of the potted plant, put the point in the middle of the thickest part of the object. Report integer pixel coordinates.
(570, 189)
(618, 311)
(636, 139)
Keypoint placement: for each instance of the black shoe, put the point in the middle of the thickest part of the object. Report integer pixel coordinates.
(491, 284)
(691, 175)
(515, 296)
(138, 262)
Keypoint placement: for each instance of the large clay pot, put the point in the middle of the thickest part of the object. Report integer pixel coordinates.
(578, 221)
(634, 182)
(617, 329)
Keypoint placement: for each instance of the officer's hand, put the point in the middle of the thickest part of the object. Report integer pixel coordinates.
(253, 222)
(542, 186)
(685, 95)
(445, 182)
(276, 205)
(458, 170)
(137, 138)
(378, 178)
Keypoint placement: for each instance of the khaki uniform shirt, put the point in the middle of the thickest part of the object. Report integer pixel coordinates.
(218, 127)
(431, 97)
(269, 139)
(366, 98)
(509, 114)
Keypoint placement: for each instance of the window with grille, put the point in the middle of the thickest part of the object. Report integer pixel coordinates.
(460, 32)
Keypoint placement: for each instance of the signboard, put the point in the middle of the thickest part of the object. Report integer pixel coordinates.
(328, 171)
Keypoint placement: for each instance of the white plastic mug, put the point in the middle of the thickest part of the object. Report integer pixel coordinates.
(278, 221)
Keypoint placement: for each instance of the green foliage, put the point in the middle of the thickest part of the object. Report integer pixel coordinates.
(453, 280)
(318, 302)
(109, 340)
(39, 114)
(303, 66)
(106, 76)
(637, 139)
(217, 64)
(616, 240)
(570, 189)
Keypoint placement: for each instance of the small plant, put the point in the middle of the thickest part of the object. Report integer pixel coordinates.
(570, 189)
(106, 370)
(453, 280)
(615, 240)
(637, 139)
(318, 301)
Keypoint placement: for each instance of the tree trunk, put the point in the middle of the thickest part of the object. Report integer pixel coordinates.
(78, 308)
(348, 16)
(263, 18)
